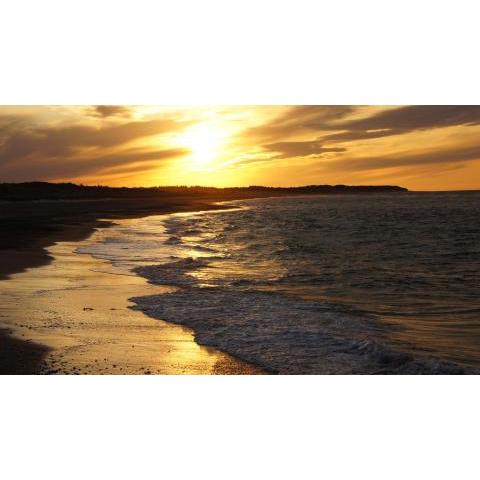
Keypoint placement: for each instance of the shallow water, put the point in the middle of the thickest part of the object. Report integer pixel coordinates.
(78, 307)
(327, 284)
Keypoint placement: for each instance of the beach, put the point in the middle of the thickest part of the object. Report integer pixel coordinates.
(59, 313)
(28, 228)
(281, 285)
(316, 285)
(75, 319)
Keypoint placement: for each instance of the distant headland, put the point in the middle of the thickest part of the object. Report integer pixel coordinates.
(71, 191)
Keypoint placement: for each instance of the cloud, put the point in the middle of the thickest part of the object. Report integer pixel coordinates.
(322, 120)
(62, 168)
(300, 149)
(105, 111)
(334, 126)
(296, 120)
(29, 151)
(9, 124)
(361, 135)
(404, 120)
(66, 140)
(418, 117)
(452, 155)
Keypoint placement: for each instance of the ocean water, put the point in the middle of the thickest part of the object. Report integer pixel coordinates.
(317, 284)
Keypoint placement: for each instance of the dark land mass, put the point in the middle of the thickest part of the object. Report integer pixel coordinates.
(35, 215)
(70, 191)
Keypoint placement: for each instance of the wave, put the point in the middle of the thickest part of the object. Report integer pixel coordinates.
(173, 273)
(395, 274)
(281, 334)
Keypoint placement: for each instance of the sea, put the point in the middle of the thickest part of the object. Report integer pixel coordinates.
(327, 284)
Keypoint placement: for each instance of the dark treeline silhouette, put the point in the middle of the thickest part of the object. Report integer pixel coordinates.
(71, 191)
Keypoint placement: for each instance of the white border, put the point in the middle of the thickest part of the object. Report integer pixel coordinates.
(226, 52)
(240, 427)
(229, 52)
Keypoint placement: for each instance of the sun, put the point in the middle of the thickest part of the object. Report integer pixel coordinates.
(205, 142)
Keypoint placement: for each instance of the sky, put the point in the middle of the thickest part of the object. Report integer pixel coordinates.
(418, 147)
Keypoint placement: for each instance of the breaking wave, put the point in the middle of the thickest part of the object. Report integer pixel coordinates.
(332, 284)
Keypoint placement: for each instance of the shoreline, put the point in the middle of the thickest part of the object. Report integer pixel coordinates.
(33, 251)
(74, 316)
(279, 331)
(61, 221)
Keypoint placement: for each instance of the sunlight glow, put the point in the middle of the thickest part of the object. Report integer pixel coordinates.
(205, 140)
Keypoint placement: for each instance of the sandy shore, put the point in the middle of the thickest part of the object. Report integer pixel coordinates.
(45, 286)
(61, 312)
(72, 316)
(28, 228)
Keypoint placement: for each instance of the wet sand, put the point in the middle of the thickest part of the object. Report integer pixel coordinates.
(28, 228)
(75, 316)
(29, 231)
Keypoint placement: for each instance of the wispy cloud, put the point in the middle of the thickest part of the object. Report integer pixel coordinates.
(106, 111)
(406, 159)
(297, 120)
(300, 149)
(404, 120)
(30, 151)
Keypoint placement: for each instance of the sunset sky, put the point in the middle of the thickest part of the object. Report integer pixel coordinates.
(419, 147)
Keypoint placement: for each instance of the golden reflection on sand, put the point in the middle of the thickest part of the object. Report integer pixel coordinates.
(79, 309)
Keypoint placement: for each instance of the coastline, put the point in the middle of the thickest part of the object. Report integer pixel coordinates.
(32, 246)
(73, 330)
(29, 228)
(256, 316)
(74, 316)
(32, 228)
